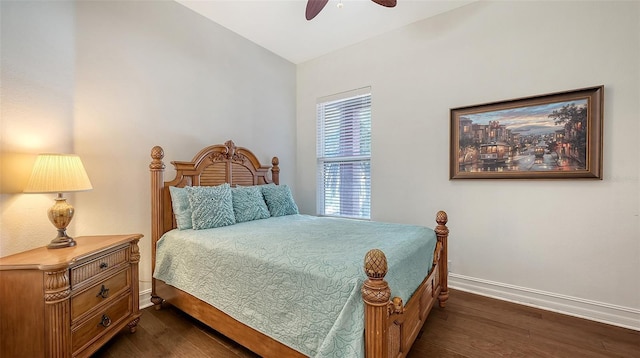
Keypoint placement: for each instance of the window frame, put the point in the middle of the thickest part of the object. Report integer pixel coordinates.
(350, 150)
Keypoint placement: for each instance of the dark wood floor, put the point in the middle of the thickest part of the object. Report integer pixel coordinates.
(470, 326)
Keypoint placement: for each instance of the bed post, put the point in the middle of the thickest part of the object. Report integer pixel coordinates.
(275, 170)
(442, 232)
(376, 294)
(157, 183)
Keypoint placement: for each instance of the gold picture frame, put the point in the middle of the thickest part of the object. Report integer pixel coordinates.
(551, 136)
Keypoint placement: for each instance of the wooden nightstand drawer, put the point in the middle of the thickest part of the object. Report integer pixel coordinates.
(100, 293)
(97, 266)
(101, 323)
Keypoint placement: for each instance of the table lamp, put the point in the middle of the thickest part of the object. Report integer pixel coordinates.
(59, 173)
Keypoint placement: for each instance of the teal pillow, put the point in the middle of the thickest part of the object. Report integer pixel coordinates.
(211, 206)
(279, 200)
(181, 207)
(248, 203)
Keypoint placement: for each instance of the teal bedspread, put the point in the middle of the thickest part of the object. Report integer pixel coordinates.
(296, 278)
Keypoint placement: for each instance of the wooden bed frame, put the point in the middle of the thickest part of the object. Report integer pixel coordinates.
(391, 327)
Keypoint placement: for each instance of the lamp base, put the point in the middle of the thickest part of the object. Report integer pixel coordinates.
(60, 215)
(61, 241)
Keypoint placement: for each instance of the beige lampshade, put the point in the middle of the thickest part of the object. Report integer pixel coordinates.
(58, 173)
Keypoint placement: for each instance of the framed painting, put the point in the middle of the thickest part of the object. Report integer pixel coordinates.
(551, 136)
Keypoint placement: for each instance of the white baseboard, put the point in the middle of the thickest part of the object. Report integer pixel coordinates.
(596, 311)
(145, 298)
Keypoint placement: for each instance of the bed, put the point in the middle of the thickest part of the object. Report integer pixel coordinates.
(373, 324)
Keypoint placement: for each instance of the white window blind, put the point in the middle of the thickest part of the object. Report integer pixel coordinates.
(344, 154)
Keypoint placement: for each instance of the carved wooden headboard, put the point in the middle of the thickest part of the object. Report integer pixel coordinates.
(213, 165)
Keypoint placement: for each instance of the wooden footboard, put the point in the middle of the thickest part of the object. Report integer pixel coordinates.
(390, 326)
(223, 323)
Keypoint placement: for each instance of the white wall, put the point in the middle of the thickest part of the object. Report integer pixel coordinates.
(144, 74)
(156, 73)
(567, 245)
(36, 112)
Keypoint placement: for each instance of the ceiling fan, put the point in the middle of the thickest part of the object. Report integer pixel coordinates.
(315, 6)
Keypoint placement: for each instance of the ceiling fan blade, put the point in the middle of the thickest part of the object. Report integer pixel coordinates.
(314, 7)
(387, 3)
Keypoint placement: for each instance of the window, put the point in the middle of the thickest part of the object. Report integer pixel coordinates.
(344, 154)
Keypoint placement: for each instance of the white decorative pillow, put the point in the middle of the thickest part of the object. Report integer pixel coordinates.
(248, 203)
(211, 206)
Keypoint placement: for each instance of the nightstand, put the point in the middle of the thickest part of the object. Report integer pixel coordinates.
(68, 302)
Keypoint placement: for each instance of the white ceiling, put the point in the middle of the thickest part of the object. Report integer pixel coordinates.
(280, 25)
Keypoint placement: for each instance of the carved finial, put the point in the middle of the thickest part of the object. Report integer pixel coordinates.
(375, 290)
(275, 170)
(396, 305)
(441, 229)
(231, 148)
(274, 162)
(157, 153)
(375, 264)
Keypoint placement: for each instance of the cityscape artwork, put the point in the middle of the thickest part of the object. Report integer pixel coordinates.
(551, 136)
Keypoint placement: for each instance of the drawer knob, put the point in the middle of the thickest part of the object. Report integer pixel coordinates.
(104, 292)
(105, 321)
(104, 265)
